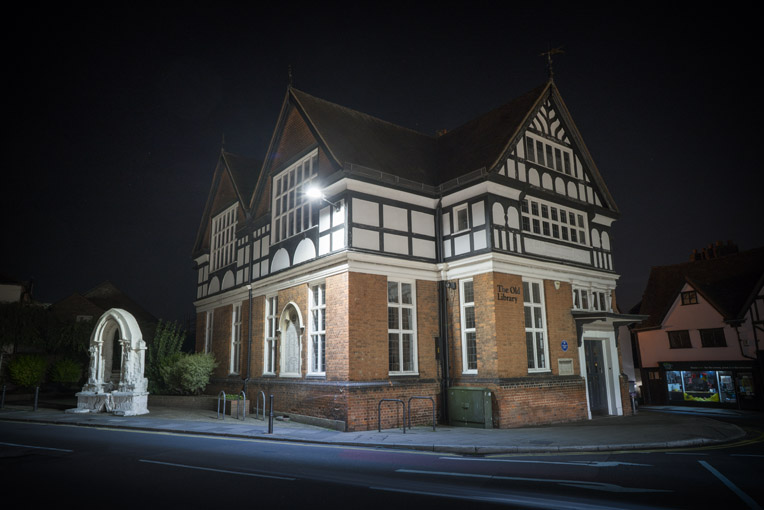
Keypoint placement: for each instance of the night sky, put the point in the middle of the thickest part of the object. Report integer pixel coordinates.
(117, 119)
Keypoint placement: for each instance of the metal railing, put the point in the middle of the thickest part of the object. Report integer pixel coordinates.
(379, 412)
(433, 409)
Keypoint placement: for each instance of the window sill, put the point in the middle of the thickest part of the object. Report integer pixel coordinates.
(539, 370)
(403, 374)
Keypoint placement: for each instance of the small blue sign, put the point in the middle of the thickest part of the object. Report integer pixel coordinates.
(564, 345)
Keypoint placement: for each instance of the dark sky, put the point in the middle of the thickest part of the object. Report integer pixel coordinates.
(117, 120)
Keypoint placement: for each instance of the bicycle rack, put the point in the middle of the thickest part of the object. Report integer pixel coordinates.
(433, 410)
(221, 393)
(257, 404)
(379, 412)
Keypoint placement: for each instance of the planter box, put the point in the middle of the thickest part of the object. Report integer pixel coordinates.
(234, 407)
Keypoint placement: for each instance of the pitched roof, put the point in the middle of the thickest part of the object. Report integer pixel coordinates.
(106, 295)
(480, 142)
(354, 137)
(727, 282)
(244, 172)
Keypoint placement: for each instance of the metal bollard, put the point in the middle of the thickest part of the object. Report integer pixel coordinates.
(36, 396)
(2, 400)
(270, 418)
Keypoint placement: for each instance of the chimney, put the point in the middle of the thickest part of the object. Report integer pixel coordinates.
(714, 250)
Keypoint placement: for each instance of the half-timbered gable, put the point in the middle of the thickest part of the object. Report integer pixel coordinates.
(222, 252)
(379, 262)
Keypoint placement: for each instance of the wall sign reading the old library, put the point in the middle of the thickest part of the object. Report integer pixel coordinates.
(503, 293)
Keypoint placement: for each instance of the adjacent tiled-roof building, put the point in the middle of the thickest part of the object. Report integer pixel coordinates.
(705, 322)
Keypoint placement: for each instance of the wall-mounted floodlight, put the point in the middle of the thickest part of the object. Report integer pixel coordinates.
(315, 193)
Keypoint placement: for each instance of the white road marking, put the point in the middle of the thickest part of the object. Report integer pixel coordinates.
(201, 468)
(742, 495)
(598, 486)
(588, 463)
(37, 447)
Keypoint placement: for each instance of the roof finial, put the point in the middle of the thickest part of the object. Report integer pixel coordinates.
(548, 54)
(222, 142)
(291, 76)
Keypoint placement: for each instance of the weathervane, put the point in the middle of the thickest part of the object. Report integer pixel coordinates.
(548, 54)
(291, 76)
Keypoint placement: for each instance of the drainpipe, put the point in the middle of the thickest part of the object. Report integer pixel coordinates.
(249, 340)
(445, 381)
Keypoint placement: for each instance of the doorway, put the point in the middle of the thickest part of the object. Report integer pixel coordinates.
(596, 377)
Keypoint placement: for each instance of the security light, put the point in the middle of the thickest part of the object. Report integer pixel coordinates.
(315, 193)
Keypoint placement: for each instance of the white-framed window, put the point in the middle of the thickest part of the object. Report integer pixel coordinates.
(549, 154)
(469, 338)
(551, 220)
(461, 218)
(401, 327)
(317, 356)
(271, 327)
(292, 210)
(535, 326)
(235, 339)
(208, 331)
(223, 238)
(580, 298)
(601, 301)
(595, 300)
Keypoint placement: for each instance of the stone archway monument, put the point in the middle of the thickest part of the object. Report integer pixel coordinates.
(117, 361)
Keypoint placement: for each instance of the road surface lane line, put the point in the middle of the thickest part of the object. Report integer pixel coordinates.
(37, 447)
(742, 495)
(598, 486)
(201, 468)
(578, 463)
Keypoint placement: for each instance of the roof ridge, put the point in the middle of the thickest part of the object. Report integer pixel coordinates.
(367, 115)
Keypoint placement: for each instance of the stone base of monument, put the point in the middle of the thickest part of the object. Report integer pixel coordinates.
(118, 403)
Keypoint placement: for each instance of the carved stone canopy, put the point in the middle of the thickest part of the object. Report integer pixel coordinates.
(116, 341)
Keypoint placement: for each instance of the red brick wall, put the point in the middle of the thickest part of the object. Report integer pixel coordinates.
(510, 326)
(201, 325)
(560, 324)
(337, 328)
(367, 327)
(540, 401)
(427, 327)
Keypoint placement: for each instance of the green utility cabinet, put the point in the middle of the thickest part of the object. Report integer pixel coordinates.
(470, 407)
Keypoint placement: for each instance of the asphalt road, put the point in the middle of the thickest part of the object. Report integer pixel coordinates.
(125, 469)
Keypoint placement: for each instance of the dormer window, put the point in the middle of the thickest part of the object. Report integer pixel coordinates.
(223, 238)
(292, 211)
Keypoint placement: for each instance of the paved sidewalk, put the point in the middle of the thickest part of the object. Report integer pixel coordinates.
(648, 429)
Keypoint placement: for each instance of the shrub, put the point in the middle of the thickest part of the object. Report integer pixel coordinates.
(27, 370)
(189, 374)
(66, 371)
(163, 352)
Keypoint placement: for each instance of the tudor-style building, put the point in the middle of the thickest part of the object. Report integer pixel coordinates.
(477, 258)
(702, 339)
